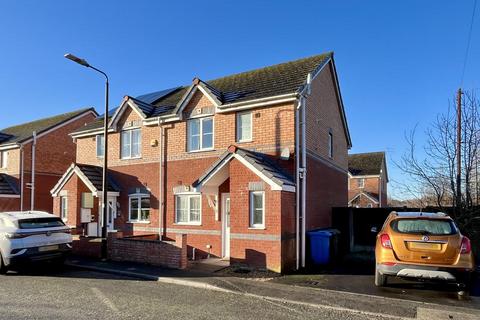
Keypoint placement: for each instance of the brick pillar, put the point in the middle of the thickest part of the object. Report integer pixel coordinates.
(181, 243)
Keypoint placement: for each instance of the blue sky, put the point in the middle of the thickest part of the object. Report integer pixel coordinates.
(399, 62)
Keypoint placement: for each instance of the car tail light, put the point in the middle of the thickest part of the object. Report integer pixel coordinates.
(466, 246)
(385, 240)
(15, 235)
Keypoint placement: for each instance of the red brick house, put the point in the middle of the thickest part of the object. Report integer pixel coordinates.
(223, 161)
(367, 180)
(33, 156)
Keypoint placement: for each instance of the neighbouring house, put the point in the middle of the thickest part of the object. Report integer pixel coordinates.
(228, 162)
(34, 155)
(367, 180)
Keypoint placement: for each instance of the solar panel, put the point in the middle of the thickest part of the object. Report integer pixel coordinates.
(154, 96)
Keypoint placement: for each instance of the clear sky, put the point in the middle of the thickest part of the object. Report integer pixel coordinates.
(399, 62)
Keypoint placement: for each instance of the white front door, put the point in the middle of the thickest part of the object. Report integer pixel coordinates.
(111, 213)
(226, 225)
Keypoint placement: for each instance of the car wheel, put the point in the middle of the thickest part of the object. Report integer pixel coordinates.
(3, 267)
(380, 279)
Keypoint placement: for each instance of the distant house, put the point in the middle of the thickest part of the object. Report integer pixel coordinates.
(34, 155)
(216, 160)
(367, 180)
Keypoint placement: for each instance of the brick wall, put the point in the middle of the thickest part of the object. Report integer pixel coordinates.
(323, 116)
(154, 252)
(9, 204)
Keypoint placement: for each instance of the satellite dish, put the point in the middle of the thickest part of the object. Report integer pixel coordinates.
(285, 154)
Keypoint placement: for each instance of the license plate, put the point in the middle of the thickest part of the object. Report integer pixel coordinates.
(425, 246)
(48, 248)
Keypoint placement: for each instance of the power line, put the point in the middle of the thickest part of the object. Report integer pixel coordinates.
(468, 42)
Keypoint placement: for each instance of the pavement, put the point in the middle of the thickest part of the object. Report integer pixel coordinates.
(354, 295)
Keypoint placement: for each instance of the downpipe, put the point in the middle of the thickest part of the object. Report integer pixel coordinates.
(32, 184)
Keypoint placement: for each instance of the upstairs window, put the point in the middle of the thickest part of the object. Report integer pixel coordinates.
(131, 143)
(200, 134)
(244, 127)
(3, 159)
(100, 146)
(188, 209)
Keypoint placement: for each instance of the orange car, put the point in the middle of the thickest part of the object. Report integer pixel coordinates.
(422, 246)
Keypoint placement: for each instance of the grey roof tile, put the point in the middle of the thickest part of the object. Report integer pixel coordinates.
(8, 185)
(361, 164)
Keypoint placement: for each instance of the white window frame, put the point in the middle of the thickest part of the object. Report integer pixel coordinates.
(130, 134)
(96, 143)
(330, 144)
(200, 143)
(252, 209)
(188, 196)
(239, 127)
(361, 183)
(64, 208)
(139, 197)
(3, 159)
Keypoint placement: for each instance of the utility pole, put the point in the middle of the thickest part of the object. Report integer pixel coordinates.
(458, 200)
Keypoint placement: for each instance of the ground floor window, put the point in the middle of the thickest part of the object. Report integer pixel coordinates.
(188, 208)
(139, 208)
(63, 208)
(257, 209)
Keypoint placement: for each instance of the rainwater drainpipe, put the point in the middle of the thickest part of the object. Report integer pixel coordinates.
(301, 166)
(22, 163)
(161, 206)
(32, 186)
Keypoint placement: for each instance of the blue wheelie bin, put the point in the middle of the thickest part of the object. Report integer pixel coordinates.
(320, 246)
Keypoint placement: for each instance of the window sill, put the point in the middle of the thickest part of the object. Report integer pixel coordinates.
(201, 150)
(187, 224)
(245, 141)
(257, 228)
(133, 158)
(140, 222)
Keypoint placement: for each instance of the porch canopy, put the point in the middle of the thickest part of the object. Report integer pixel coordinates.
(258, 163)
(90, 175)
(8, 186)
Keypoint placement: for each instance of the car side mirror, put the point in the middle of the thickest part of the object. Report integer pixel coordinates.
(374, 230)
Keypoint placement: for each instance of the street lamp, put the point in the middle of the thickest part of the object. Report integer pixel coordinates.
(84, 63)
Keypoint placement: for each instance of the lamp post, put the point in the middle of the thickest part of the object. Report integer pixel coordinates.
(84, 63)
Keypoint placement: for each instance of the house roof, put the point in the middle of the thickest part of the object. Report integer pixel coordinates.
(283, 78)
(95, 176)
(7, 185)
(370, 195)
(279, 79)
(92, 177)
(263, 166)
(365, 164)
(23, 132)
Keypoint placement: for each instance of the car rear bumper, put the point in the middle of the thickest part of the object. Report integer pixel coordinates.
(449, 274)
(35, 254)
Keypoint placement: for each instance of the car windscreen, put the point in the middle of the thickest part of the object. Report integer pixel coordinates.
(36, 223)
(424, 226)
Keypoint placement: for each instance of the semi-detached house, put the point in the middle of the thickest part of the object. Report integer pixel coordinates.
(234, 163)
(34, 155)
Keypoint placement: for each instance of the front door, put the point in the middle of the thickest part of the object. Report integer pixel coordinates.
(112, 213)
(226, 225)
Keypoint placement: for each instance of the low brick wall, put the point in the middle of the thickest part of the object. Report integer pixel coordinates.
(87, 247)
(146, 249)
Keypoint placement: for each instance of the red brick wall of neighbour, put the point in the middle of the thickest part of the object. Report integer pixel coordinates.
(54, 152)
(158, 253)
(326, 188)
